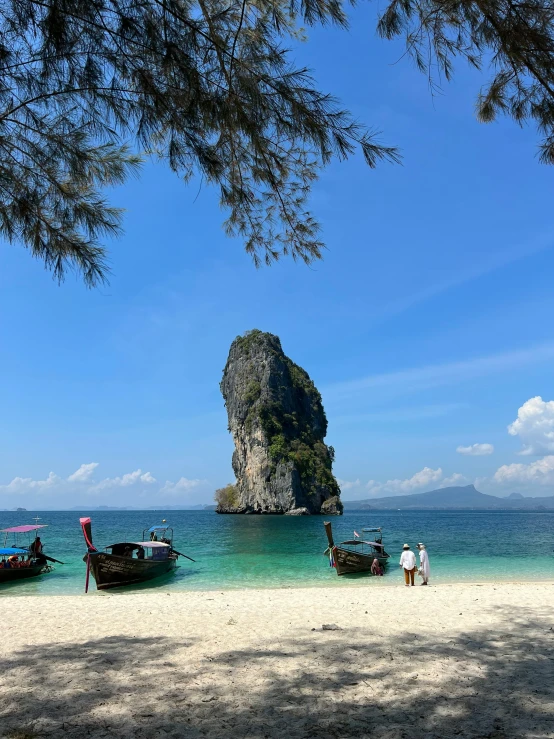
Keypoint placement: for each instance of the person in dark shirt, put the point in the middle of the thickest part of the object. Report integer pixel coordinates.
(36, 547)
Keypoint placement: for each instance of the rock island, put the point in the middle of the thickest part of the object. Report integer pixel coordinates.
(281, 462)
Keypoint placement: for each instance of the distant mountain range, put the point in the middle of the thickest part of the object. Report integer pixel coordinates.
(456, 498)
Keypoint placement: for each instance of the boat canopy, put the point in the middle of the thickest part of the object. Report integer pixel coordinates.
(151, 544)
(23, 529)
(356, 542)
(164, 527)
(371, 531)
(137, 544)
(8, 551)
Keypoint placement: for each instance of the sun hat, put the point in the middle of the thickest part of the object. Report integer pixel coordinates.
(406, 546)
(421, 546)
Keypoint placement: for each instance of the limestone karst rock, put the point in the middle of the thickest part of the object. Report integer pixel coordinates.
(276, 417)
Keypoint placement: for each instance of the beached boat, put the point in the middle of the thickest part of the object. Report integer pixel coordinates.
(19, 559)
(356, 555)
(130, 562)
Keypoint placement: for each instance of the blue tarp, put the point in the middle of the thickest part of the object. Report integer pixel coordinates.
(8, 551)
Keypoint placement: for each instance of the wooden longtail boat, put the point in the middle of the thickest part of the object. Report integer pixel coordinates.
(129, 563)
(21, 561)
(356, 555)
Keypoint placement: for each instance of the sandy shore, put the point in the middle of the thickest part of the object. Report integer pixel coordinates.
(452, 661)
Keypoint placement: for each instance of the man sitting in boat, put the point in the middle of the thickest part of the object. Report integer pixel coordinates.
(140, 553)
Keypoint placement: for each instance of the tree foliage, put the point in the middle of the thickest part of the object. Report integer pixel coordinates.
(205, 85)
(514, 38)
(209, 87)
(227, 497)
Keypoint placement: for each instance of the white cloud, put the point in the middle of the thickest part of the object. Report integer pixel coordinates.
(84, 473)
(535, 426)
(80, 486)
(453, 481)
(183, 485)
(422, 479)
(422, 378)
(470, 272)
(25, 484)
(476, 450)
(540, 472)
(348, 484)
(130, 478)
(398, 415)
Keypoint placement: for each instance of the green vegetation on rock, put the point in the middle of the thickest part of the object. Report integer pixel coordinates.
(281, 462)
(250, 339)
(227, 497)
(291, 436)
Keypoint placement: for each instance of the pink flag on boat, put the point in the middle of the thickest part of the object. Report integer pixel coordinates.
(356, 534)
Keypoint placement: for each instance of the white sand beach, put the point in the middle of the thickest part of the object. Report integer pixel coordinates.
(449, 661)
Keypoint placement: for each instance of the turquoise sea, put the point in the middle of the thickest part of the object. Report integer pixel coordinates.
(285, 551)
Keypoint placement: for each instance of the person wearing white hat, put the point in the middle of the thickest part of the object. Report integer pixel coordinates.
(408, 563)
(424, 563)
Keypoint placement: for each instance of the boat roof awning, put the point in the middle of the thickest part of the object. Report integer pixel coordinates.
(8, 551)
(354, 542)
(151, 544)
(136, 544)
(371, 531)
(23, 529)
(157, 528)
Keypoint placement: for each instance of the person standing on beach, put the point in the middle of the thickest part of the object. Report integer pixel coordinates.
(408, 563)
(424, 563)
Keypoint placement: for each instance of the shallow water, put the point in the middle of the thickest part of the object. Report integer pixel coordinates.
(287, 551)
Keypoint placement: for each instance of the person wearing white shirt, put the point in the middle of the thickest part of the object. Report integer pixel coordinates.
(408, 562)
(424, 563)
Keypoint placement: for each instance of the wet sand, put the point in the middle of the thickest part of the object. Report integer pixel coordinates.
(450, 661)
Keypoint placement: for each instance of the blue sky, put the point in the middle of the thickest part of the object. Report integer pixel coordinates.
(426, 327)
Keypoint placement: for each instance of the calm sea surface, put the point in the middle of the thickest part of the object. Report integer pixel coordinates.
(286, 551)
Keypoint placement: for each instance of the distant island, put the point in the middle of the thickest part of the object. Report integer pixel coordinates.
(455, 498)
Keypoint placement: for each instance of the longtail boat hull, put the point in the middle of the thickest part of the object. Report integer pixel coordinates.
(130, 562)
(21, 561)
(351, 560)
(113, 571)
(22, 573)
(348, 563)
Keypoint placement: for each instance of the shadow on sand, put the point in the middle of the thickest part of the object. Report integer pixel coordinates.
(494, 683)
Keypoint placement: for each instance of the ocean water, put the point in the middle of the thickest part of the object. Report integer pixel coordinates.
(287, 551)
